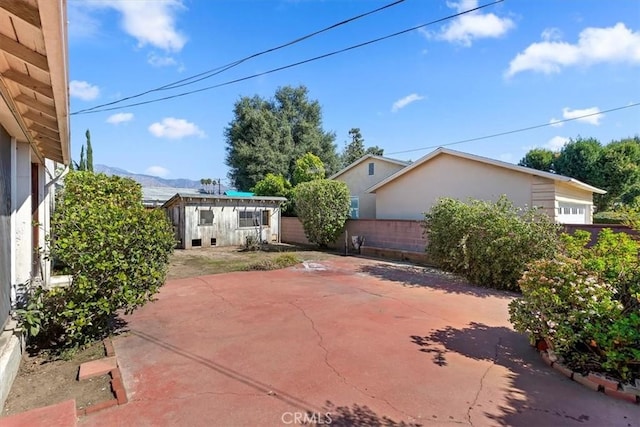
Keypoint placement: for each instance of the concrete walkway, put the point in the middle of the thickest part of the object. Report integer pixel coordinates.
(346, 342)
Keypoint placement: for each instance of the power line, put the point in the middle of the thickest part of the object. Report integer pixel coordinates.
(215, 71)
(553, 123)
(316, 58)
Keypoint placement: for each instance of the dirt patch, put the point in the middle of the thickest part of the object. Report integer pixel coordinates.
(45, 380)
(204, 261)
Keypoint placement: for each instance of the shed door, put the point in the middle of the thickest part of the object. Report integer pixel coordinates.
(572, 213)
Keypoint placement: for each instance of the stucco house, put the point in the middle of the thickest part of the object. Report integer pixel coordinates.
(360, 176)
(34, 150)
(204, 220)
(413, 190)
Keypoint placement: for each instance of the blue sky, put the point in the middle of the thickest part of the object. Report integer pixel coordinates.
(511, 65)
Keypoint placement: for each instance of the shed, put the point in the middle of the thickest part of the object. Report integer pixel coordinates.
(204, 220)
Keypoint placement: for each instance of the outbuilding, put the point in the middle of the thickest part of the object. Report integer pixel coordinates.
(205, 220)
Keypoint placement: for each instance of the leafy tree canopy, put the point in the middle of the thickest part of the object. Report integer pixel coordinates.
(273, 185)
(308, 168)
(538, 158)
(269, 135)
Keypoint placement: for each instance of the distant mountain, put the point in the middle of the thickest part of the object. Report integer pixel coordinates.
(152, 181)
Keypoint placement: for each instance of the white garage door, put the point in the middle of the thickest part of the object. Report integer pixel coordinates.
(572, 213)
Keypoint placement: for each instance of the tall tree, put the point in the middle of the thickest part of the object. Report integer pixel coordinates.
(538, 158)
(82, 166)
(355, 148)
(89, 164)
(268, 136)
(579, 159)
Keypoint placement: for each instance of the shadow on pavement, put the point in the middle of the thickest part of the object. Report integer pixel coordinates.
(416, 276)
(356, 415)
(536, 393)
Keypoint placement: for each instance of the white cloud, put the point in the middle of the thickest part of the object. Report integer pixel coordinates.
(556, 123)
(593, 116)
(595, 45)
(83, 90)
(556, 143)
(157, 171)
(403, 102)
(173, 128)
(81, 23)
(551, 34)
(150, 22)
(118, 118)
(160, 61)
(473, 25)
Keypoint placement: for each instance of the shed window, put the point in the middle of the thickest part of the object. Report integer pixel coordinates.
(252, 218)
(206, 217)
(371, 168)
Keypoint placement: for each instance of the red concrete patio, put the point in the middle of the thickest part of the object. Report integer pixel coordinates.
(347, 342)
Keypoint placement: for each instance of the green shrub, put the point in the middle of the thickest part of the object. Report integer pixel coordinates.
(489, 243)
(607, 217)
(116, 251)
(587, 301)
(323, 207)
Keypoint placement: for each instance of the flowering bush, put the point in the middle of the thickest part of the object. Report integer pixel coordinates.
(587, 302)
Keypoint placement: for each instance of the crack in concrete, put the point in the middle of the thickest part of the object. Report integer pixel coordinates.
(486, 372)
(210, 287)
(338, 374)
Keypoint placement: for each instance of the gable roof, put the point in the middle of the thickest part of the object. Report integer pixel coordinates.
(530, 171)
(365, 158)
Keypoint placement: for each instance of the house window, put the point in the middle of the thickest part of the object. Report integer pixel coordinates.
(206, 217)
(371, 168)
(355, 207)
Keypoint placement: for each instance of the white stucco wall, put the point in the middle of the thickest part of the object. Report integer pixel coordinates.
(412, 194)
(358, 180)
(21, 218)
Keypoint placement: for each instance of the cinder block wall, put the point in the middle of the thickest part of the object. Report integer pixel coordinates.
(406, 235)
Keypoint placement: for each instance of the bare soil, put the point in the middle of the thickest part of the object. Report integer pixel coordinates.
(44, 380)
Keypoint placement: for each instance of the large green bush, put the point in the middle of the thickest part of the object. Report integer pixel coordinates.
(323, 207)
(489, 243)
(587, 302)
(115, 250)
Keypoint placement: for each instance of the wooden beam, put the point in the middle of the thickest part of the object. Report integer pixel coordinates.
(28, 82)
(22, 10)
(41, 130)
(48, 142)
(23, 53)
(36, 105)
(41, 120)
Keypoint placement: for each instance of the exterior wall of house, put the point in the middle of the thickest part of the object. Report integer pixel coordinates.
(415, 192)
(225, 230)
(22, 220)
(543, 195)
(358, 180)
(6, 254)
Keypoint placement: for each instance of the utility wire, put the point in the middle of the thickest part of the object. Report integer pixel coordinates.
(215, 71)
(316, 58)
(553, 123)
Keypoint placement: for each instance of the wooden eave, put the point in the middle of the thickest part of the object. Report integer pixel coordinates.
(34, 99)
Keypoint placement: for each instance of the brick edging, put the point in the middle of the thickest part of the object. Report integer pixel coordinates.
(594, 382)
(117, 386)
